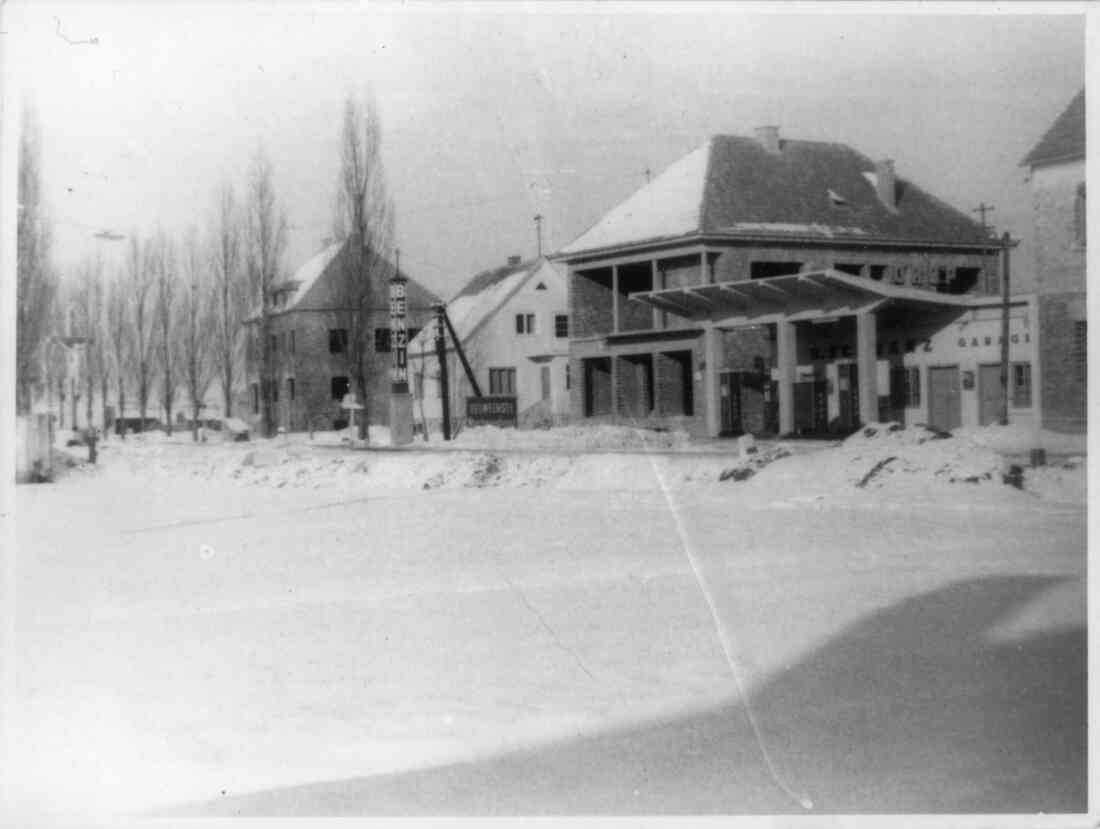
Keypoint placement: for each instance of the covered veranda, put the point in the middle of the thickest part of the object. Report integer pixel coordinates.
(785, 301)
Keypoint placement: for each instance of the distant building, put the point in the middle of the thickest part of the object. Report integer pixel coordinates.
(1056, 168)
(770, 285)
(309, 342)
(513, 324)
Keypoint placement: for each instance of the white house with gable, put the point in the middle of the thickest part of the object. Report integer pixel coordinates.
(513, 323)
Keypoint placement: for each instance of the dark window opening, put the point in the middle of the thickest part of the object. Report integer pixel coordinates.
(255, 398)
(597, 386)
(340, 387)
(525, 323)
(677, 391)
(1021, 385)
(292, 341)
(541, 286)
(635, 385)
(965, 280)
(274, 344)
(290, 388)
(634, 315)
(854, 270)
(877, 272)
(383, 340)
(274, 391)
(568, 377)
(337, 340)
(502, 381)
(763, 270)
(561, 326)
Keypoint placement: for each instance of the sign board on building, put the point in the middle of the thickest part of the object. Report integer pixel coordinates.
(399, 334)
(497, 410)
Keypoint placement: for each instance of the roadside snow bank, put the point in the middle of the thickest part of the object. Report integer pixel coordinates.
(571, 438)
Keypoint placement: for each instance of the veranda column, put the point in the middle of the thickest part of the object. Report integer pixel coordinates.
(711, 357)
(867, 365)
(786, 359)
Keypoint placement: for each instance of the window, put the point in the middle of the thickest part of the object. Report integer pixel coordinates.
(541, 286)
(1080, 351)
(762, 270)
(561, 325)
(877, 272)
(290, 388)
(568, 377)
(854, 270)
(292, 341)
(502, 381)
(274, 344)
(525, 323)
(275, 391)
(337, 340)
(383, 341)
(1021, 385)
(1080, 216)
(340, 387)
(282, 341)
(255, 398)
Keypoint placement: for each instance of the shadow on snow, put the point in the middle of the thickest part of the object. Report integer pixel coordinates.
(912, 709)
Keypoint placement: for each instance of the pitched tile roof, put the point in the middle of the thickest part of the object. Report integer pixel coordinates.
(1065, 140)
(732, 186)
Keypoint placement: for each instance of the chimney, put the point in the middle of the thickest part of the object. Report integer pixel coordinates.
(514, 260)
(768, 136)
(886, 183)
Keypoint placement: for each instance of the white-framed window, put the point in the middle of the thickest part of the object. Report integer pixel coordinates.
(525, 323)
(502, 381)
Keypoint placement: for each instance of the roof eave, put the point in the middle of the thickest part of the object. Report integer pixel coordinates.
(1058, 159)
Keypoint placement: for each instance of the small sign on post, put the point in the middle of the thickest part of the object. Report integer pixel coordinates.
(497, 410)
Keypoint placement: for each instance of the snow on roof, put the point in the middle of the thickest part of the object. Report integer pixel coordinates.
(670, 205)
(310, 272)
(470, 308)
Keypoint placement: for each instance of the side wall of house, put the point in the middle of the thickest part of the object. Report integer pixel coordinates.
(1060, 254)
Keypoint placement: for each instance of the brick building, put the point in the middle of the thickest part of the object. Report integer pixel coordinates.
(1056, 167)
(309, 345)
(770, 285)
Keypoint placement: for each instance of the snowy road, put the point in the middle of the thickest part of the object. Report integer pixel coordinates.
(508, 650)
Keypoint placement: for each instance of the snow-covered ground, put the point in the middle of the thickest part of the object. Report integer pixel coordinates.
(263, 628)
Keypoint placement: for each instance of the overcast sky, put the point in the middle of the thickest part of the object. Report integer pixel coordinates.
(495, 113)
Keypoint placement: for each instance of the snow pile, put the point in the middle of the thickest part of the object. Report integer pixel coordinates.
(571, 439)
(885, 455)
(1019, 439)
(1064, 481)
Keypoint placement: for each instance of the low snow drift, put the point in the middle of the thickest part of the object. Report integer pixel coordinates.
(572, 439)
(889, 455)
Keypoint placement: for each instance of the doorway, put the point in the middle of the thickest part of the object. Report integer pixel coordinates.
(944, 398)
(989, 394)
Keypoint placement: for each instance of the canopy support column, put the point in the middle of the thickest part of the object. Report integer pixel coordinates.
(867, 362)
(786, 363)
(712, 363)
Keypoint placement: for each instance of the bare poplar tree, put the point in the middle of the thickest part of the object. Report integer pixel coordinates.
(198, 317)
(36, 283)
(364, 213)
(142, 316)
(231, 293)
(90, 299)
(164, 269)
(119, 335)
(266, 240)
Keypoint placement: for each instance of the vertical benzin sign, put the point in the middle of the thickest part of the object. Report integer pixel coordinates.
(399, 333)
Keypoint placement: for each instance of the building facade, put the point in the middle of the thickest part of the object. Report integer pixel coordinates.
(513, 324)
(1056, 168)
(794, 287)
(310, 344)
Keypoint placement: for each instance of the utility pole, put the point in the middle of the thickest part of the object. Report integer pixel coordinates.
(981, 210)
(538, 232)
(1006, 247)
(441, 357)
